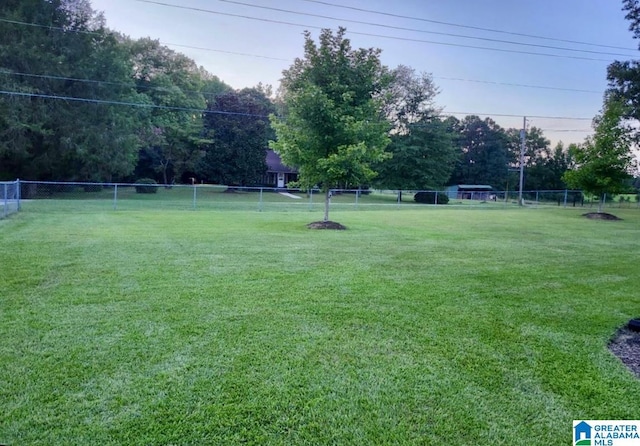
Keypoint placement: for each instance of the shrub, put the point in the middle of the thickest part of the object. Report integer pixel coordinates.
(150, 189)
(429, 197)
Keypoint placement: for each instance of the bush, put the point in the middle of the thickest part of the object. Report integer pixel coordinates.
(429, 197)
(151, 189)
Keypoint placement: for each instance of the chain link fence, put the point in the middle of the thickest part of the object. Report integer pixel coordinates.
(9, 198)
(131, 196)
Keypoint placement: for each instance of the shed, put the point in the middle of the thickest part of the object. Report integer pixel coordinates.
(481, 192)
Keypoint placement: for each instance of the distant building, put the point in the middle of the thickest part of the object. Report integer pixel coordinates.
(278, 175)
(480, 192)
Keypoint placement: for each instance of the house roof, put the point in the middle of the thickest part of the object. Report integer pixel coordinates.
(274, 163)
(474, 187)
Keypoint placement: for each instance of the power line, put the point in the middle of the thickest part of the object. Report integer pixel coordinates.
(360, 22)
(133, 86)
(567, 130)
(138, 104)
(509, 84)
(224, 51)
(406, 39)
(130, 104)
(508, 115)
(54, 28)
(74, 79)
(516, 85)
(458, 25)
(93, 81)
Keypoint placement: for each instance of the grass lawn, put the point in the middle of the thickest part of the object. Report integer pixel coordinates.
(425, 326)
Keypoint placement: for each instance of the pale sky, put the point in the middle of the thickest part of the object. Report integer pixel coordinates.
(251, 44)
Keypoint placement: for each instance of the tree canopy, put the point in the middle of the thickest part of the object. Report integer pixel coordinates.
(603, 162)
(239, 137)
(333, 131)
(422, 158)
(80, 102)
(484, 156)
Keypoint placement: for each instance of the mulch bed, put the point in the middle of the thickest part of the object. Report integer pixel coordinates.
(601, 216)
(626, 346)
(326, 225)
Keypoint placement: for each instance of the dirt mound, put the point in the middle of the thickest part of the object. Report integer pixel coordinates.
(626, 346)
(601, 216)
(326, 225)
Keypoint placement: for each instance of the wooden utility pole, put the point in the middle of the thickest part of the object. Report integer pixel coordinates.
(523, 136)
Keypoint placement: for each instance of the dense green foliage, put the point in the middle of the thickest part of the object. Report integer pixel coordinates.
(150, 189)
(334, 130)
(54, 139)
(83, 103)
(484, 154)
(89, 104)
(190, 328)
(422, 151)
(431, 197)
(604, 161)
(624, 76)
(239, 137)
(422, 158)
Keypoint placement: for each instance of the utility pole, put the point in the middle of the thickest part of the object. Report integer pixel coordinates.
(523, 136)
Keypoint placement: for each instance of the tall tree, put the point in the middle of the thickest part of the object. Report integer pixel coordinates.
(238, 126)
(544, 166)
(172, 137)
(408, 98)
(624, 76)
(422, 158)
(71, 55)
(604, 161)
(421, 148)
(547, 168)
(483, 152)
(334, 130)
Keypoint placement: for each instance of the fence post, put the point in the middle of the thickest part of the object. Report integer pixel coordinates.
(18, 193)
(115, 197)
(6, 200)
(537, 198)
(311, 199)
(194, 196)
(260, 203)
(357, 196)
(435, 199)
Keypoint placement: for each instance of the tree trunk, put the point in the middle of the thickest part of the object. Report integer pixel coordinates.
(601, 203)
(327, 199)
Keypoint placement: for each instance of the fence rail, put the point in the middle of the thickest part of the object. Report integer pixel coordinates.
(9, 198)
(123, 196)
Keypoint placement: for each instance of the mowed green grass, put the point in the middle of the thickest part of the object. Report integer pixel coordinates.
(422, 326)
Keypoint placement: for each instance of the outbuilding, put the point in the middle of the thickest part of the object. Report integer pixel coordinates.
(480, 192)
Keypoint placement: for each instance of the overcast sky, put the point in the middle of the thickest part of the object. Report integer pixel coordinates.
(243, 43)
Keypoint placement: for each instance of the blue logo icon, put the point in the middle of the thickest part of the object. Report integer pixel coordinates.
(582, 434)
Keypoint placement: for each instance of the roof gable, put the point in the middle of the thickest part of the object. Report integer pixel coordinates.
(274, 163)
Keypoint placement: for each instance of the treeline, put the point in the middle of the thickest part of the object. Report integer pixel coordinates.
(80, 102)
